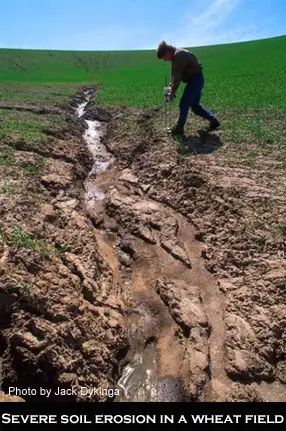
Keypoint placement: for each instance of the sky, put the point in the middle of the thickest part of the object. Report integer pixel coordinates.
(136, 24)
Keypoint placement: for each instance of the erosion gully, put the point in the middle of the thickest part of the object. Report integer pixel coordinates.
(173, 309)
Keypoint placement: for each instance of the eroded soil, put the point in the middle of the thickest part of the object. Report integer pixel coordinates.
(181, 253)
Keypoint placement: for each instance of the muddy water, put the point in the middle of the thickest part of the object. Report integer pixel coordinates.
(139, 379)
(92, 136)
(81, 108)
(100, 156)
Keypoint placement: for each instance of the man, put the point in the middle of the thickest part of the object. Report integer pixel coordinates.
(186, 68)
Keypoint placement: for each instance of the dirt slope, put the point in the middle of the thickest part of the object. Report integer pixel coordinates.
(177, 253)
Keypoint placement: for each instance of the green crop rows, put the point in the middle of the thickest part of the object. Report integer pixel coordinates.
(245, 85)
(248, 75)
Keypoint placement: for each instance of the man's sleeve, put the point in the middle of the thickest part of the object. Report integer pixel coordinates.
(177, 70)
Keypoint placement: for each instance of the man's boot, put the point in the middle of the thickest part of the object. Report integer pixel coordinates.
(177, 130)
(214, 124)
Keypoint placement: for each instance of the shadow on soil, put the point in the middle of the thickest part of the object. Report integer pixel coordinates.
(203, 143)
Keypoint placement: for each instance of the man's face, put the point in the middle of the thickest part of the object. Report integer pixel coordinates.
(167, 56)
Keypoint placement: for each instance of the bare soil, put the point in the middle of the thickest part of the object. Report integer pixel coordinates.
(183, 251)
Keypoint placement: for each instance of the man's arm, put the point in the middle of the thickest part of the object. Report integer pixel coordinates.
(177, 69)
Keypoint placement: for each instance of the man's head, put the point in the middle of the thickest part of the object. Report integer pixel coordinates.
(165, 51)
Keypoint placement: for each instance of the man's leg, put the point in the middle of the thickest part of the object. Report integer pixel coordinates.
(199, 110)
(204, 113)
(189, 95)
(186, 101)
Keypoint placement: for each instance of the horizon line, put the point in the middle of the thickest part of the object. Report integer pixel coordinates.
(136, 50)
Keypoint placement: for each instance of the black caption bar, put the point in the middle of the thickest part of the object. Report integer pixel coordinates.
(196, 414)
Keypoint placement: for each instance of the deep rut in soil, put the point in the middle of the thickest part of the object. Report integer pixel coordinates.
(151, 284)
(171, 303)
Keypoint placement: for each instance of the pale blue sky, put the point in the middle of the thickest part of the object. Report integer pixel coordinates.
(136, 24)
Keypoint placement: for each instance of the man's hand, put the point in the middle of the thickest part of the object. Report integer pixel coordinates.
(171, 97)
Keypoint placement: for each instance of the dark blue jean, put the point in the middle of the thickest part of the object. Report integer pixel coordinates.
(191, 99)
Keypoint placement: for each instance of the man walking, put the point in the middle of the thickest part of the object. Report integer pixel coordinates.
(187, 69)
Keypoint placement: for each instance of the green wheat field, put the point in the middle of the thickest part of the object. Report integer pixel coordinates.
(245, 85)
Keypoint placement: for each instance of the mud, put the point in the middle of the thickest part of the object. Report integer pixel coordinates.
(162, 276)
